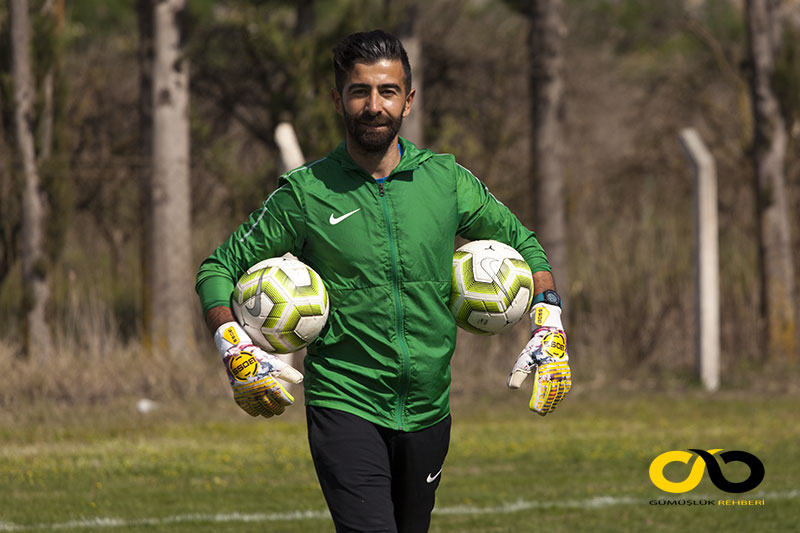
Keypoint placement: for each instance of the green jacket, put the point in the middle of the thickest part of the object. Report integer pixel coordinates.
(385, 253)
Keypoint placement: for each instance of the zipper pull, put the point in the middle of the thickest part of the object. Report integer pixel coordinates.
(380, 188)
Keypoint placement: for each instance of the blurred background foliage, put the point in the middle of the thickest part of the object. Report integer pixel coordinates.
(636, 73)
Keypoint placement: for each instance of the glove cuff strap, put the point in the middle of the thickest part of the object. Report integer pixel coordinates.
(545, 315)
(230, 334)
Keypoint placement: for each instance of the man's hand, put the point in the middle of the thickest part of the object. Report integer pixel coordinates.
(546, 356)
(252, 373)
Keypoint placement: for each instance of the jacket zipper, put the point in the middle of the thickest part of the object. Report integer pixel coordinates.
(398, 309)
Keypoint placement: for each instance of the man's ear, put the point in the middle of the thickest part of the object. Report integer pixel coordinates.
(337, 101)
(408, 102)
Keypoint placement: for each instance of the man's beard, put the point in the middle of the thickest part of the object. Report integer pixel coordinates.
(369, 139)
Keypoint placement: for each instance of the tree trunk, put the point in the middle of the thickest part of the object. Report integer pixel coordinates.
(770, 139)
(306, 18)
(409, 32)
(34, 268)
(46, 118)
(547, 33)
(145, 13)
(172, 306)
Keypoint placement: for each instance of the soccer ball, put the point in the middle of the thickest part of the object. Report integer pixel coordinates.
(492, 287)
(281, 303)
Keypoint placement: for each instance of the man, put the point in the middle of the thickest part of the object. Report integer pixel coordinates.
(377, 219)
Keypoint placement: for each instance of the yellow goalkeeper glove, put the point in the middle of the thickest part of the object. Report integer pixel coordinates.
(252, 372)
(546, 356)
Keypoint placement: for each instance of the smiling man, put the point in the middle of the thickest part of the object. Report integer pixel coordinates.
(377, 219)
(373, 106)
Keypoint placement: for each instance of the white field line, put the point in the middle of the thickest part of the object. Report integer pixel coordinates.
(292, 516)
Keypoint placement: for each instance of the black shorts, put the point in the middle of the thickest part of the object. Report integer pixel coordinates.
(375, 478)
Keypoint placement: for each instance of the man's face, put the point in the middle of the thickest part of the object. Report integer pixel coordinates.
(373, 103)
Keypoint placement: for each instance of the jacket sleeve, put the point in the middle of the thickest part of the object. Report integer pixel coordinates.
(277, 227)
(482, 216)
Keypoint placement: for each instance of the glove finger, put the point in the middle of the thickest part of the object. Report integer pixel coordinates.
(257, 406)
(557, 392)
(563, 388)
(266, 413)
(544, 390)
(245, 404)
(539, 399)
(247, 398)
(280, 394)
(271, 404)
(263, 410)
(266, 397)
(266, 384)
(553, 381)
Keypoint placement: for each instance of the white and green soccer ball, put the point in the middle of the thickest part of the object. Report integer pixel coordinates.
(281, 303)
(492, 287)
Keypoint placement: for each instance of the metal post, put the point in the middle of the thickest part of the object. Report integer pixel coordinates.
(291, 157)
(707, 257)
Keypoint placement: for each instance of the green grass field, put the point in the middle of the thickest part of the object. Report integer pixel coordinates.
(584, 468)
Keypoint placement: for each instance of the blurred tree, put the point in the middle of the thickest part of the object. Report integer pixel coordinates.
(635, 73)
(546, 56)
(285, 136)
(634, 78)
(172, 300)
(306, 18)
(50, 47)
(769, 159)
(254, 65)
(55, 11)
(34, 266)
(10, 184)
(408, 29)
(144, 17)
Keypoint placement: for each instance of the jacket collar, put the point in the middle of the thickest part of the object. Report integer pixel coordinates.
(411, 159)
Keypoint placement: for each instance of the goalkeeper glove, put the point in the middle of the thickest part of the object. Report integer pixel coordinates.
(252, 373)
(546, 356)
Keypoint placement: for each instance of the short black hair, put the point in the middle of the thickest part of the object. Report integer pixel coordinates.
(368, 47)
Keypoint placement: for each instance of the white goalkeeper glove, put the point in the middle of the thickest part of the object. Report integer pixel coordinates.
(252, 373)
(546, 356)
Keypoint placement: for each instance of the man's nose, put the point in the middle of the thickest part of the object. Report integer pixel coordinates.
(373, 104)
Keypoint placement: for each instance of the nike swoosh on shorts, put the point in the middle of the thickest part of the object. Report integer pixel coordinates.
(432, 478)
